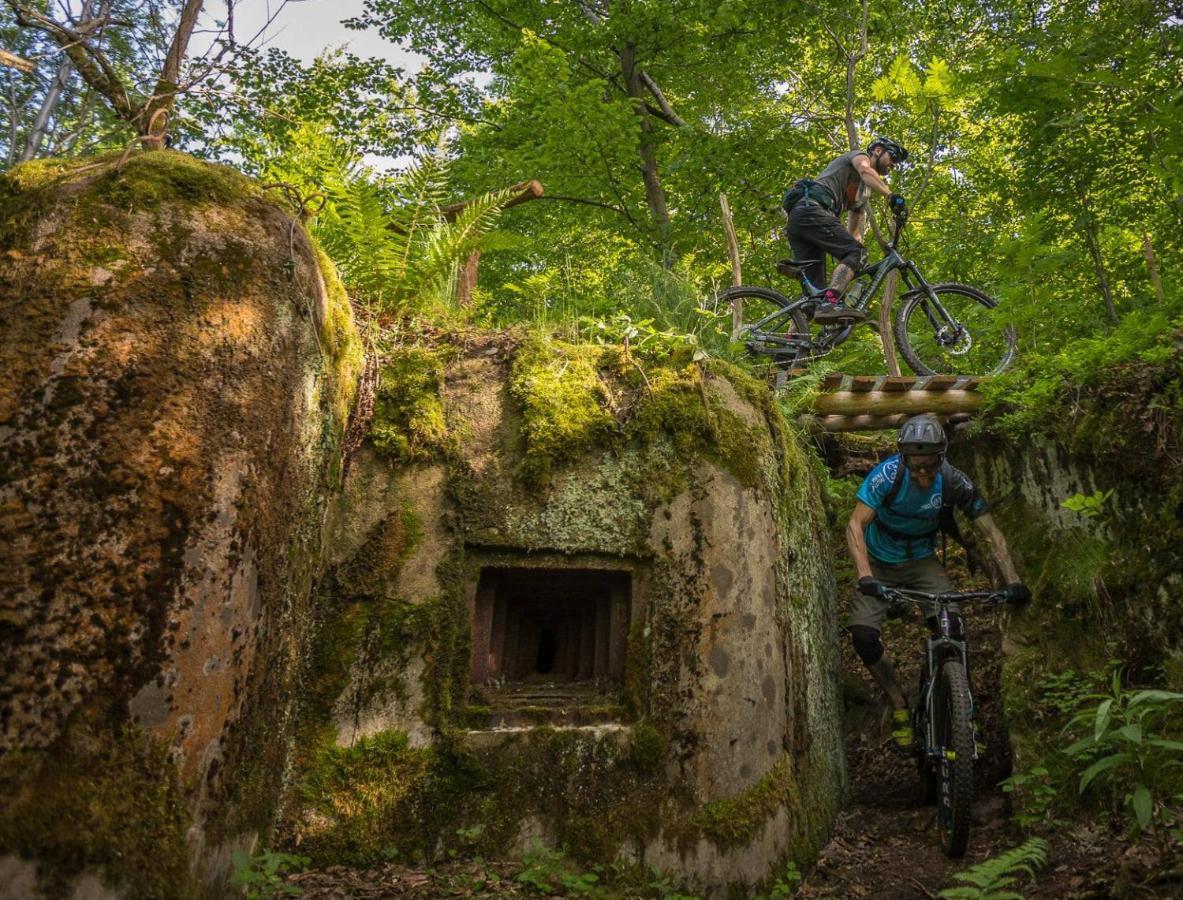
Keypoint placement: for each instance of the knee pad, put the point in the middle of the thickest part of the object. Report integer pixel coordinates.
(856, 259)
(866, 643)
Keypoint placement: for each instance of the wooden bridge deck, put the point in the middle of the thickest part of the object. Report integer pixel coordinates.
(866, 402)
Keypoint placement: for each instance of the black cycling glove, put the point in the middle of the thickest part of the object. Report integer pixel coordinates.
(898, 203)
(1018, 593)
(872, 587)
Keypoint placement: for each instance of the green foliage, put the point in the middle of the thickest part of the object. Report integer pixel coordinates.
(1127, 754)
(1090, 506)
(786, 882)
(548, 871)
(396, 246)
(994, 878)
(1127, 749)
(263, 876)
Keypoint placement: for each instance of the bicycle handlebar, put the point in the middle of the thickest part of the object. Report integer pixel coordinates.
(906, 595)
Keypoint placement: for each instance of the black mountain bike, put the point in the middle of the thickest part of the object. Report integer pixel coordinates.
(942, 718)
(946, 329)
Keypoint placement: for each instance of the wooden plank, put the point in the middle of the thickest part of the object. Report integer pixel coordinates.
(849, 403)
(973, 383)
(863, 383)
(860, 423)
(898, 383)
(833, 381)
(940, 382)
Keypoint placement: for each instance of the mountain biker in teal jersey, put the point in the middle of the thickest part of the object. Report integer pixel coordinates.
(814, 206)
(892, 540)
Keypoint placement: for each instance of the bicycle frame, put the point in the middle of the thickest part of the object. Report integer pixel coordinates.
(770, 327)
(946, 642)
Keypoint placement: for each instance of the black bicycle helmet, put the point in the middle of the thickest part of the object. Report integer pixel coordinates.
(896, 149)
(922, 435)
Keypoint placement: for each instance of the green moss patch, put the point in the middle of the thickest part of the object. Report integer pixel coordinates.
(99, 799)
(563, 401)
(409, 422)
(735, 821)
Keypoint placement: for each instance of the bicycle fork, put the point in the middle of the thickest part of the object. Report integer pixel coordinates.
(930, 746)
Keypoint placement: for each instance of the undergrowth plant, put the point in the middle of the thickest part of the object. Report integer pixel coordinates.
(1125, 755)
(549, 871)
(396, 241)
(995, 878)
(263, 876)
(1128, 754)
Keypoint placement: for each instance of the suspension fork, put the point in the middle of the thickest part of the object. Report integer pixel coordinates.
(908, 271)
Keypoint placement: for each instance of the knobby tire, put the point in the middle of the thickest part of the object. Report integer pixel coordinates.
(955, 777)
(922, 351)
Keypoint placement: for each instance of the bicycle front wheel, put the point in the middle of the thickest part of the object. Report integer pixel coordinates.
(955, 742)
(768, 327)
(965, 335)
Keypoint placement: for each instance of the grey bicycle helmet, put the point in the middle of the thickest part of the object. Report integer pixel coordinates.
(896, 149)
(922, 435)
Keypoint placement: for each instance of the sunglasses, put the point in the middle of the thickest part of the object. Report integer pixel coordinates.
(917, 466)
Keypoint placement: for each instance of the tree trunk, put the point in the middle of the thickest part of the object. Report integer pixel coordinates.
(1090, 240)
(654, 195)
(53, 95)
(1152, 267)
(165, 96)
(736, 273)
(890, 287)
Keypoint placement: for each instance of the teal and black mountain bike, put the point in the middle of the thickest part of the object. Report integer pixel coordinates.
(940, 329)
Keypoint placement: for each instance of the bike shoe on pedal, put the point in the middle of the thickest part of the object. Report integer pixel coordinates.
(901, 733)
(832, 309)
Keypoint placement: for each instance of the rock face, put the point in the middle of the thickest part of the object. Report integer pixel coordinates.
(176, 379)
(577, 597)
(1106, 574)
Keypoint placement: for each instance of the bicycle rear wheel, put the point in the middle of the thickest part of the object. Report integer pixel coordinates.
(955, 773)
(976, 342)
(769, 328)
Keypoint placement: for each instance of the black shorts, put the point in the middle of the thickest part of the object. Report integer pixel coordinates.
(813, 232)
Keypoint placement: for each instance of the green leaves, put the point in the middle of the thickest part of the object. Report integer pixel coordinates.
(264, 876)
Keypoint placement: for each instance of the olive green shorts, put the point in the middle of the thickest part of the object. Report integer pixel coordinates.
(925, 574)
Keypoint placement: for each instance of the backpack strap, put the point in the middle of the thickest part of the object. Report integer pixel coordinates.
(896, 483)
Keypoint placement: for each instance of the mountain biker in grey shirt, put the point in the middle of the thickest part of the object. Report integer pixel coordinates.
(815, 229)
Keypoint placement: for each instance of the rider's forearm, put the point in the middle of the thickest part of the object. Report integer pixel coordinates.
(856, 543)
(872, 180)
(999, 552)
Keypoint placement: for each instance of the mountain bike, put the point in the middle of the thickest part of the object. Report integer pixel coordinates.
(941, 329)
(942, 717)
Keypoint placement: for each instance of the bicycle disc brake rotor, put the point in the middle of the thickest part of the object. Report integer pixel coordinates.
(955, 341)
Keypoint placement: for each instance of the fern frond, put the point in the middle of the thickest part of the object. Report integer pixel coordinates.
(991, 877)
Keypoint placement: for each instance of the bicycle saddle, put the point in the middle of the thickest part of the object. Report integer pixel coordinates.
(793, 268)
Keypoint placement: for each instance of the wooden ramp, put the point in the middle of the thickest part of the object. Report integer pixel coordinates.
(864, 402)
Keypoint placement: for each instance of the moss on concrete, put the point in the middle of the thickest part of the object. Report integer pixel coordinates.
(735, 821)
(101, 799)
(564, 403)
(409, 422)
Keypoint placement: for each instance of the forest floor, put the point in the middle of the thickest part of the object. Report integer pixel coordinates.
(885, 842)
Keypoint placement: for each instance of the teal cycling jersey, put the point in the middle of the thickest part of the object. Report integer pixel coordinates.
(906, 526)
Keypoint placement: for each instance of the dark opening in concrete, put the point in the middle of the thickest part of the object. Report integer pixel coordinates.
(549, 624)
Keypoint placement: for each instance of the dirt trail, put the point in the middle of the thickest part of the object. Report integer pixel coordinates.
(885, 842)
